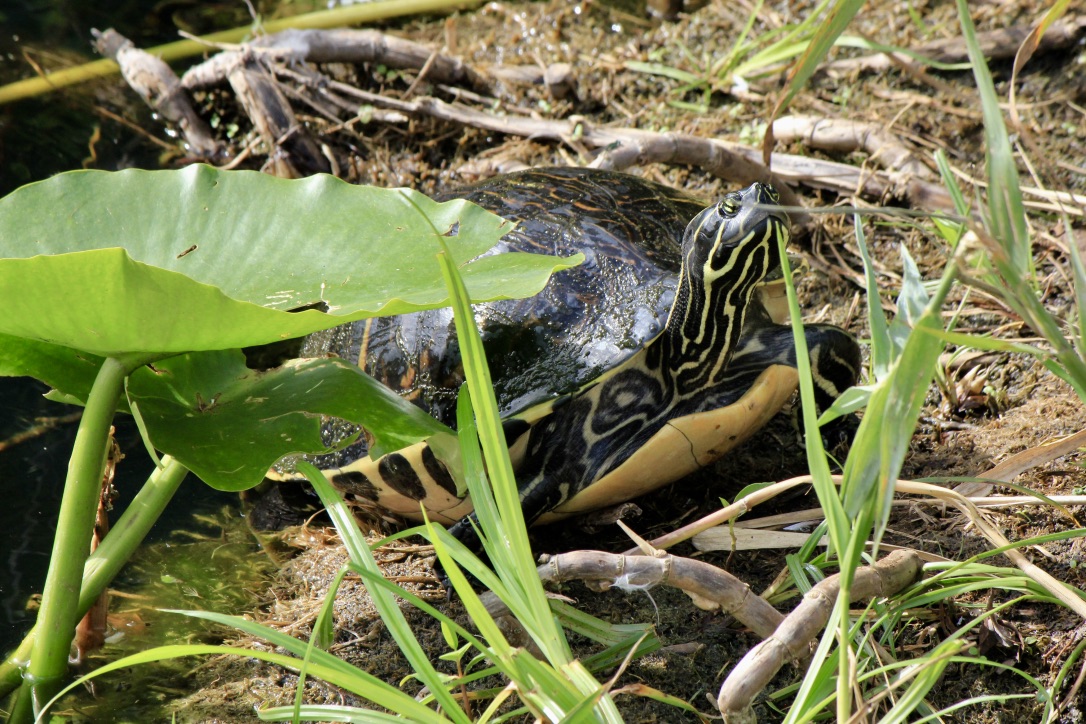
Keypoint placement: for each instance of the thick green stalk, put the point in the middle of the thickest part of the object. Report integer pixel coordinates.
(104, 564)
(60, 597)
(130, 529)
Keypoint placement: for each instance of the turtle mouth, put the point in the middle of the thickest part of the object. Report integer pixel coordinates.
(796, 263)
(772, 292)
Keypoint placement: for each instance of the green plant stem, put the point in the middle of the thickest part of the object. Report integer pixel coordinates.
(78, 507)
(130, 529)
(338, 17)
(104, 564)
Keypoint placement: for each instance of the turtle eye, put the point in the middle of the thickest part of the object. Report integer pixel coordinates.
(771, 192)
(729, 205)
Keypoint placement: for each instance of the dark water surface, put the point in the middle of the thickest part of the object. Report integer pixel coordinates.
(32, 480)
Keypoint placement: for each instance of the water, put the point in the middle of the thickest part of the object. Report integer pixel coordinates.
(77, 127)
(32, 480)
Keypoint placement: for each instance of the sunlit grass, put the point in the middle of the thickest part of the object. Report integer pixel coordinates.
(903, 361)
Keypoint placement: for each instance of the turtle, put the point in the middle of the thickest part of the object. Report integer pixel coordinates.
(653, 358)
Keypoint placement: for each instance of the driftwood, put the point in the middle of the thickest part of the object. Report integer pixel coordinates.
(898, 175)
(784, 638)
(294, 153)
(623, 147)
(793, 636)
(342, 46)
(995, 44)
(709, 587)
(370, 46)
(159, 87)
(286, 55)
(839, 134)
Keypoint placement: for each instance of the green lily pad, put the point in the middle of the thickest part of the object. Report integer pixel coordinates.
(70, 372)
(229, 424)
(153, 263)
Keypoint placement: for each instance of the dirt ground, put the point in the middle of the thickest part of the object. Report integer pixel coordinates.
(1015, 406)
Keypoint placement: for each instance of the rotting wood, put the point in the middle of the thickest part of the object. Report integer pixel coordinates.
(292, 153)
(792, 638)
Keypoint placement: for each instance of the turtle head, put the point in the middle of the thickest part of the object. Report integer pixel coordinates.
(735, 240)
(727, 251)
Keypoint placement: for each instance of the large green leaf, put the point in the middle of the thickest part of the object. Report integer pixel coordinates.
(152, 263)
(70, 372)
(229, 424)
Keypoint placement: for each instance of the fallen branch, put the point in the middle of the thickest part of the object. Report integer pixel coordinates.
(294, 47)
(1044, 579)
(995, 44)
(341, 46)
(621, 147)
(158, 86)
(625, 147)
(702, 540)
(845, 136)
(346, 15)
(792, 638)
(708, 586)
(292, 152)
(784, 638)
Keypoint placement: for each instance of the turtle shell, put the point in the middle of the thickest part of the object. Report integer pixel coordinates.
(587, 320)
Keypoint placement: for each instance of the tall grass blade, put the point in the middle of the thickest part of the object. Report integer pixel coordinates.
(1006, 219)
(324, 666)
(840, 15)
(881, 350)
(1006, 213)
(506, 537)
(383, 601)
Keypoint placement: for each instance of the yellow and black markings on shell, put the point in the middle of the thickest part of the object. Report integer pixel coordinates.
(624, 374)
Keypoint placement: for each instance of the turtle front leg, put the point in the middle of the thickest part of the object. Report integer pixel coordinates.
(536, 498)
(834, 354)
(835, 361)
